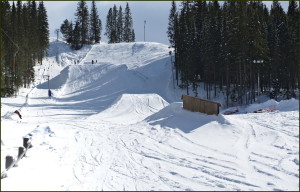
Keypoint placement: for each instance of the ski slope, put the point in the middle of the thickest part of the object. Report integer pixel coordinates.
(118, 124)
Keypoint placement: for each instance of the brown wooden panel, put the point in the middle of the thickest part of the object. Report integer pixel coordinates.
(200, 105)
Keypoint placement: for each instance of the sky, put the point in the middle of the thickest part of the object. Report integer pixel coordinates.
(155, 13)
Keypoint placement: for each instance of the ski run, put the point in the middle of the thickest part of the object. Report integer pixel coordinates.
(115, 122)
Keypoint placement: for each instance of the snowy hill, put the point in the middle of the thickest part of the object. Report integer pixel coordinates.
(115, 122)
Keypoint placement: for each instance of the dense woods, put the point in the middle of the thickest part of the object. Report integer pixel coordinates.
(240, 49)
(24, 42)
(86, 29)
(119, 25)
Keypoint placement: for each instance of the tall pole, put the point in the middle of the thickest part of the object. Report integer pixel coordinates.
(145, 31)
(57, 33)
(48, 82)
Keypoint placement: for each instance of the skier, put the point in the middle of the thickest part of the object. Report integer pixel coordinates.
(49, 93)
(18, 113)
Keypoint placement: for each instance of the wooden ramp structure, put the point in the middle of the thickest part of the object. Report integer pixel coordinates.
(200, 105)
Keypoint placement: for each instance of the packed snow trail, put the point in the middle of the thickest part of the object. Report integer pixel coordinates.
(118, 124)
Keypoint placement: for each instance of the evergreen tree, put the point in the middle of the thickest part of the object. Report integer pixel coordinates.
(109, 26)
(95, 24)
(82, 19)
(21, 41)
(8, 48)
(293, 43)
(43, 30)
(76, 43)
(14, 38)
(67, 30)
(132, 36)
(120, 25)
(127, 36)
(278, 44)
(171, 25)
(114, 32)
(33, 28)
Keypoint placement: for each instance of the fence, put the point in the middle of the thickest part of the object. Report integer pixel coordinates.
(11, 162)
(200, 105)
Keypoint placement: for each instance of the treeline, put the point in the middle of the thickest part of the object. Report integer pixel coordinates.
(86, 29)
(88, 26)
(24, 42)
(240, 48)
(119, 25)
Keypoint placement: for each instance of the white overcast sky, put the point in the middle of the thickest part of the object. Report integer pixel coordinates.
(155, 13)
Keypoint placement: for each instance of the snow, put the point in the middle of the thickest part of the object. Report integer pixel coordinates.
(118, 124)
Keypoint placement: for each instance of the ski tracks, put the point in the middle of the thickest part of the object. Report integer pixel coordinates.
(143, 157)
(270, 149)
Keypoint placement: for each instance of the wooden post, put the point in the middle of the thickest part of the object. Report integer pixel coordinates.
(3, 175)
(8, 162)
(21, 152)
(26, 143)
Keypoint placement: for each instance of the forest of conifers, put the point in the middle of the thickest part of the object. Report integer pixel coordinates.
(240, 48)
(24, 42)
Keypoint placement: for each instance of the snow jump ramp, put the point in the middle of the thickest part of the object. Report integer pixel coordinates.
(131, 108)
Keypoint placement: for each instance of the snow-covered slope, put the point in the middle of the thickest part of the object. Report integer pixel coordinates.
(132, 108)
(118, 124)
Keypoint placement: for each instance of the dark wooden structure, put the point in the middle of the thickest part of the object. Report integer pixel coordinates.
(200, 105)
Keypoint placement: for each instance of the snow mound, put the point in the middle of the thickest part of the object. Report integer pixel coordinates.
(288, 105)
(132, 108)
(174, 116)
(284, 105)
(133, 55)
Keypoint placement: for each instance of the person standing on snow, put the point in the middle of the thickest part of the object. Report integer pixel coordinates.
(49, 93)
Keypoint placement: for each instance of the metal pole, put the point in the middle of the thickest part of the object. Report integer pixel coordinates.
(48, 82)
(144, 30)
(57, 33)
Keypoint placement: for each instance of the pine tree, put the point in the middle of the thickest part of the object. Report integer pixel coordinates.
(132, 36)
(21, 41)
(109, 26)
(82, 18)
(95, 24)
(127, 36)
(114, 24)
(14, 38)
(293, 35)
(7, 49)
(43, 30)
(76, 43)
(278, 44)
(33, 28)
(120, 25)
(67, 30)
(171, 25)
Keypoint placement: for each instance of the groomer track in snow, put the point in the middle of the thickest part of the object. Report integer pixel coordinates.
(115, 122)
